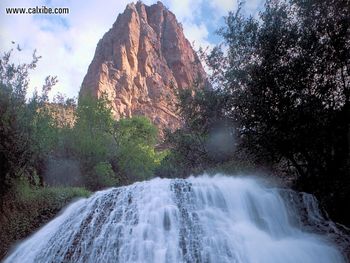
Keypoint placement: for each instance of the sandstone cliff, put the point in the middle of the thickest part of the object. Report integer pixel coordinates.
(141, 62)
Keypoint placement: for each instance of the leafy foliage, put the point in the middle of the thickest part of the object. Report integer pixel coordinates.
(136, 138)
(138, 130)
(286, 81)
(282, 85)
(104, 175)
(207, 137)
(94, 145)
(28, 207)
(20, 123)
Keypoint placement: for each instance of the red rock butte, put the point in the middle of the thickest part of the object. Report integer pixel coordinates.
(141, 62)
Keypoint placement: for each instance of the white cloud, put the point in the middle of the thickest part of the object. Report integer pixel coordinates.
(197, 35)
(190, 14)
(185, 10)
(66, 52)
(222, 7)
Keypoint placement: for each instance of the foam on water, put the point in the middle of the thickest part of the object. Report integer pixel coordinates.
(204, 219)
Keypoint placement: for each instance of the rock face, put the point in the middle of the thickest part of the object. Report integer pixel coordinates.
(141, 62)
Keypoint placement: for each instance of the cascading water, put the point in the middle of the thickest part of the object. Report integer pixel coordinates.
(204, 219)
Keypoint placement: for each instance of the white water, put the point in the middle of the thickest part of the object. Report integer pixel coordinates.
(219, 219)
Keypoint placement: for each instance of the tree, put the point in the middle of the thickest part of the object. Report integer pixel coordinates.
(287, 83)
(207, 137)
(20, 122)
(93, 130)
(93, 142)
(136, 138)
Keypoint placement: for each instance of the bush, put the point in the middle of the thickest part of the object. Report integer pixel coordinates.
(25, 131)
(136, 154)
(27, 207)
(103, 176)
(93, 143)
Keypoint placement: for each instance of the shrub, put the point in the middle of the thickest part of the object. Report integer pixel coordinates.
(136, 154)
(103, 176)
(27, 207)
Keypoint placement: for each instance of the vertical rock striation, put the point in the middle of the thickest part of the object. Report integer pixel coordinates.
(141, 62)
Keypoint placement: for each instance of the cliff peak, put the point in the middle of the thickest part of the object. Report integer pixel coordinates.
(141, 62)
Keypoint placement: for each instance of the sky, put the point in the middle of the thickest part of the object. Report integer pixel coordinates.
(67, 42)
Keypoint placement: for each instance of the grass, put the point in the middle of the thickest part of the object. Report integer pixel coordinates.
(26, 208)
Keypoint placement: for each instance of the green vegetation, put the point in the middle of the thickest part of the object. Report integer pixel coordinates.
(95, 152)
(47, 160)
(206, 140)
(93, 143)
(29, 207)
(103, 175)
(24, 130)
(136, 138)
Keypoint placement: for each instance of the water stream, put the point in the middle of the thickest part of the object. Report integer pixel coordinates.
(204, 219)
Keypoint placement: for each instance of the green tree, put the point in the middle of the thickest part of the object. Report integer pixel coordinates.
(137, 157)
(287, 82)
(93, 141)
(104, 175)
(93, 129)
(207, 137)
(20, 122)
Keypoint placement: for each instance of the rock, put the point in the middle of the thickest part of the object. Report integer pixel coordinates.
(141, 62)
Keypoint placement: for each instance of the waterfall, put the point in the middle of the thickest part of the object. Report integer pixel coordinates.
(199, 219)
